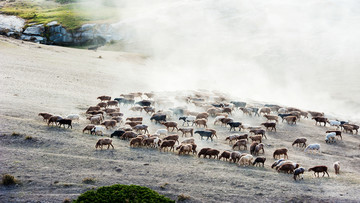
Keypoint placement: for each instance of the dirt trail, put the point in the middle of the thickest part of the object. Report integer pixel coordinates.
(51, 166)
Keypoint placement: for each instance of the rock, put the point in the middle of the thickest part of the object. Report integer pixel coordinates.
(52, 23)
(86, 27)
(11, 23)
(37, 39)
(34, 30)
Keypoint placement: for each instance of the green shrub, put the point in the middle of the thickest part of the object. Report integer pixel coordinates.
(8, 180)
(88, 181)
(121, 193)
(28, 137)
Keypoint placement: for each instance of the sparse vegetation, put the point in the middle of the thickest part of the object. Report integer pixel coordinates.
(15, 134)
(183, 197)
(122, 193)
(28, 137)
(88, 180)
(8, 180)
(67, 200)
(164, 185)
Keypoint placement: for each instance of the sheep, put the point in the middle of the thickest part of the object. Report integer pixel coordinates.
(235, 156)
(170, 124)
(348, 128)
(282, 110)
(240, 143)
(141, 127)
(136, 108)
(188, 119)
(161, 132)
(118, 119)
(203, 133)
(172, 137)
(225, 121)
(202, 116)
(133, 123)
(158, 118)
(116, 114)
(246, 160)
(313, 147)
(118, 133)
(218, 119)
(265, 110)
(296, 165)
(320, 120)
(222, 114)
(337, 167)
(136, 141)
(299, 171)
(233, 137)
(149, 109)
(203, 152)
(290, 119)
(334, 123)
(238, 104)
(109, 123)
(88, 128)
(157, 142)
(144, 103)
(95, 120)
(187, 148)
(186, 131)
(212, 152)
(315, 114)
(258, 148)
(213, 111)
(53, 119)
(234, 125)
(134, 118)
(104, 141)
(188, 141)
(166, 144)
(279, 152)
(98, 129)
(128, 135)
(271, 117)
(252, 147)
(226, 110)
(93, 108)
(283, 115)
(296, 113)
(102, 105)
(64, 121)
(338, 132)
(287, 168)
(112, 103)
(319, 169)
(246, 111)
(104, 98)
(277, 163)
(225, 155)
(256, 138)
(149, 141)
(199, 122)
(330, 137)
(304, 114)
(269, 125)
(213, 132)
(259, 160)
(300, 141)
(45, 116)
(259, 132)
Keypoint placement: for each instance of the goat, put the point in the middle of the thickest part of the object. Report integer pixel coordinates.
(136, 108)
(187, 148)
(93, 108)
(149, 141)
(112, 103)
(88, 128)
(259, 160)
(301, 140)
(187, 130)
(225, 121)
(167, 143)
(240, 143)
(202, 116)
(199, 122)
(334, 123)
(319, 169)
(337, 167)
(133, 123)
(235, 157)
(213, 132)
(144, 103)
(252, 147)
(283, 115)
(246, 111)
(277, 163)
(102, 105)
(45, 116)
(128, 135)
(298, 171)
(104, 141)
(212, 152)
(279, 152)
(316, 114)
(313, 147)
(218, 119)
(226, 110)
(271, 117)
(118, 119)
(269, 125)
(158, 118)
(320, 120)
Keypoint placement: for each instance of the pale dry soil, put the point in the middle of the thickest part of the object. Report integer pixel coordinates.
(52, 165)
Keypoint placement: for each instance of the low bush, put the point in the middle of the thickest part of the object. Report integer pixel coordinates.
(8, 180)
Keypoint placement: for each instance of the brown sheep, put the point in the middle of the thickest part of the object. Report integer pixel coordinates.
(136, 108)
(259, 132)
(96, 112)
(213, 111)
(149, 109)
(203, 151)
(172, 137)
(104, 141)
(166, 144)
(265, 110)
(271, 117)
(109, 111)
(225, 121)
(109, 123)
(53, 119)
(202, 116)
(316, 114)
(134, 119)
(116, 114)
(118, 119)
(95, 119)
(348, 128)
(320, 120)
(45, 116)
(226, 110)
(187, 130)
(170, 124)
(141, 127)
(93, 108)
(235, 156)
(212, 152)
(104, 98)
(240, 143)
(300, 141)
(133, 123)
(128, 135)
(287, 168)
(258, 148)
(225, 155)
(269, 125)
(113, 103)
(102, 104)
(149, 142)
(290, 119)
(252, 147)
(89, 128)
(136, 141)
(199, 122)
(256, 138)
(259, 160)
(281, 151)
(319, 169)
(186, 149)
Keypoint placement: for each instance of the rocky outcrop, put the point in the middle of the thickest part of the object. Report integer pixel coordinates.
(54, 33)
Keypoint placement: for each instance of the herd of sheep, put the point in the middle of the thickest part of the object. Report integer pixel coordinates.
(106, 115)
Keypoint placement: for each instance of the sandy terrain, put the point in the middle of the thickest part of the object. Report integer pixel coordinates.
(51, 166)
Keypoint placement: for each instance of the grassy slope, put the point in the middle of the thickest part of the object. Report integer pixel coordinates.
(71, 15)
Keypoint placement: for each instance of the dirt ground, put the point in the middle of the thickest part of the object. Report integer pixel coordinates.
(52, 165)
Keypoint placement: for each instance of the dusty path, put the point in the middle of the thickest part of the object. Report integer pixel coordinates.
(51, 167)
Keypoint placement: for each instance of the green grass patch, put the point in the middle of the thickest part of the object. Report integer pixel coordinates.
(70, 13)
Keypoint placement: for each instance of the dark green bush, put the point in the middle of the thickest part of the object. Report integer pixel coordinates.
(121, 193)
(8, 180)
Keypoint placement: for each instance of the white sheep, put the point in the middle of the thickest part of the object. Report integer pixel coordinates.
(156, 141)
(73, 117)
(97, 129)
(334, 123)
(330, 137)
(188, 141)
(313, 147)
(246, 160)
(161, 132)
